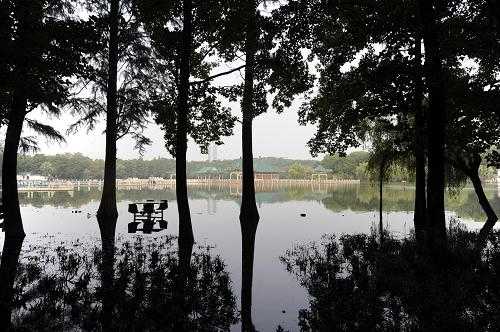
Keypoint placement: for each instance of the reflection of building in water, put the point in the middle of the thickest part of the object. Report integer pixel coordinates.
(319, 187)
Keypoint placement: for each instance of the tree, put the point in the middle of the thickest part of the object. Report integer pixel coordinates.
(473, 133)
(345, 166)
(46, 46)
(107, 208)
(47, 169)
(299, 171)
(182, 107)
(436, 123)
(386, 154)
(282, 72)
(115, 86)
(370, 69)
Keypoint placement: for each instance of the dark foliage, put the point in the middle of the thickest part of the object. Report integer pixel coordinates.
(58, 288)
(358, 284)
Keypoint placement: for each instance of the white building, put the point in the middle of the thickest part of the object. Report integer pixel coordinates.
(32, 180)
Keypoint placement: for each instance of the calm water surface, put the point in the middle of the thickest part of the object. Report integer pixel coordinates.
(277, 297)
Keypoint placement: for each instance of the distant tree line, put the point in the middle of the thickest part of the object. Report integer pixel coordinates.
(79, 167)
(76, 166)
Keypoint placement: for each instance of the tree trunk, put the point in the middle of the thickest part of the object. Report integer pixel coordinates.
(186, 236)
(436, 129)
(13, 224)
(491, 216)
(8, 270)
(181, 322)
(107, 274)
(249, 215)
(419, 216)
(107, 212)
(248, 231)
(381, 187)
(249, 212)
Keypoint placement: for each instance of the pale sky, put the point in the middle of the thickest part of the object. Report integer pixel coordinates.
(274, 135)
(277, 135)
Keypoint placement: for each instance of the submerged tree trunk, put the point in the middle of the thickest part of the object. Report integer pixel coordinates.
(181, 322)
(13, 225)
(491, 216)
(436, 129)
(107, 274)
(248, 231)
(249, 215)
(380, 198)
(186, 236)
(8, 270)
(471, 168)
(107, 212)
(419, 216)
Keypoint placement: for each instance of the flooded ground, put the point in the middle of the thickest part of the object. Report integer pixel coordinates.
(289, 216)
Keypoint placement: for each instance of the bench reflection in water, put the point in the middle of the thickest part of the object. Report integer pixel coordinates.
(150, 214)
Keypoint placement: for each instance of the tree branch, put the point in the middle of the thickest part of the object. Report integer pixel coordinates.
(217, 75)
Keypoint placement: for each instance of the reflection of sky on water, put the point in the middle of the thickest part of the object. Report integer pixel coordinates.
(343, 209)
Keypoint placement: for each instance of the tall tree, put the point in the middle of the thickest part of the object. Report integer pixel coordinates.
(420, 214)
(388, 151)
(182, 43)
(115, 88)
(436, 123)
(370, 70)
(107, 208)
(185, 226)
(249, 215)
(272, 66)
(472, 136)
(46, 46)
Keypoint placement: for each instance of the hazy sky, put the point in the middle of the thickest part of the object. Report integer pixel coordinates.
(277, 135)
(274, 135)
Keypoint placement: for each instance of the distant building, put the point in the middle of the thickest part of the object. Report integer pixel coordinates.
(319, 173)
(32, 180)
(263, 170)
(208, 173)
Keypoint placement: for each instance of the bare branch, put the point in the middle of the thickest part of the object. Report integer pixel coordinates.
(217, 75)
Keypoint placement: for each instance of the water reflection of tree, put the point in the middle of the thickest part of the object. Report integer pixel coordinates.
(82, 197)
(61, 288)
(248, 233)
(8, 268)
(337, 198)
(400, 198)
(354, 284)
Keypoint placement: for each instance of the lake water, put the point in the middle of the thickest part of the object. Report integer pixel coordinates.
(277, 297)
